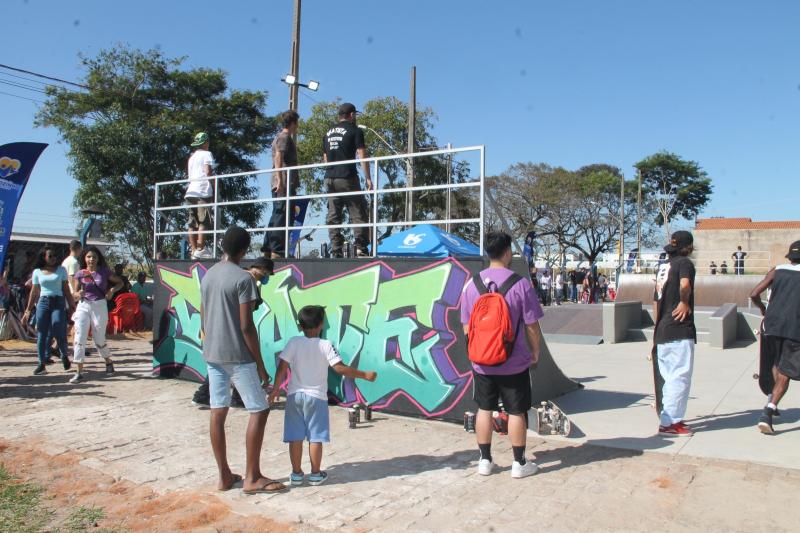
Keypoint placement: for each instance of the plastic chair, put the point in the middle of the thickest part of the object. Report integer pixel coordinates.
(126, 316)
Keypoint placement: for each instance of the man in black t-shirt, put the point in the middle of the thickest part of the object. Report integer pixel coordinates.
(781, 337)
(342, 142)
(675, 332)
(738, 261)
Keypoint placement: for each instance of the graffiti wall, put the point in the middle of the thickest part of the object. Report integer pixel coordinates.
(399, 318)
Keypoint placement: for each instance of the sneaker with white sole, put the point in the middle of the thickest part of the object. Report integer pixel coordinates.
(296, 478)
(204, 253)
(520, 471)
(485, 467)
(77, 378)
(317, 478)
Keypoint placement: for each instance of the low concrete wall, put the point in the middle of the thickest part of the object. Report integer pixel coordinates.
(723, 325)
(618, 318)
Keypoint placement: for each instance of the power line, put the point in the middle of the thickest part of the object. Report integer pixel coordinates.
(24, 97)
(43, 76)
(23, 86)
(29, 79)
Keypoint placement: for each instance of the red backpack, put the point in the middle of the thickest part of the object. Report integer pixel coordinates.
(490, 337)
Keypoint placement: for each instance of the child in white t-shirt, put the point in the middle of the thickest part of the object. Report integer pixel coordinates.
(306, 414)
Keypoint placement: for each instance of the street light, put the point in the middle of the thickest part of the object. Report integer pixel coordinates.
(291, 79)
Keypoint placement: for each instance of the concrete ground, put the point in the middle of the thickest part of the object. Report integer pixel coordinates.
(398, 474)
(616, 406)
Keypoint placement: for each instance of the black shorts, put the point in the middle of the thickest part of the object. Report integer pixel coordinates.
(513, 390)
(787, 355)
(201, 214)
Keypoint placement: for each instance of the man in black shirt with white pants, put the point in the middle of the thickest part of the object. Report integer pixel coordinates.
(675, 332)
(342, 142)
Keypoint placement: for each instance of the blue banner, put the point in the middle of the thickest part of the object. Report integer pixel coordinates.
(299, 208)
(16, 164)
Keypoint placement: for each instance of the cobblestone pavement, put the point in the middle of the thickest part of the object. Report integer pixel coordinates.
(390, 474)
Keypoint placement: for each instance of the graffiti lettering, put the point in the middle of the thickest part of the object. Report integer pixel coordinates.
(395, 324)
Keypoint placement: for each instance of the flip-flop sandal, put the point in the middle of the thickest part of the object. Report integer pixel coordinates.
(236, 479)
(277, 486)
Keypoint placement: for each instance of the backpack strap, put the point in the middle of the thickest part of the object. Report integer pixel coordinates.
(479, 285)
(507, 284)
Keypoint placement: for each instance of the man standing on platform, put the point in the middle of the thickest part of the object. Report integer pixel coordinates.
(200, 192)
(781, 328)
(342, 142)
(675, 332)
(284, 154)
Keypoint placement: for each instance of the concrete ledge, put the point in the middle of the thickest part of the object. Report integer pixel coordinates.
(722, 326)
(618, 318)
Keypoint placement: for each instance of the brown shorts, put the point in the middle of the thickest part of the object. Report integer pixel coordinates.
(200, 215)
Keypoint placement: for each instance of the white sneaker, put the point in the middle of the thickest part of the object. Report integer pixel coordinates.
(77, 378)
(528, 469)
(485, 467)
(205, 253)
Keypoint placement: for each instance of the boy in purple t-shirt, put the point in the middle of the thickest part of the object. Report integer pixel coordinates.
(509, 381)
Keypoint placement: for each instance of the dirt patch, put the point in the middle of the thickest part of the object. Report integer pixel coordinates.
(126, 505)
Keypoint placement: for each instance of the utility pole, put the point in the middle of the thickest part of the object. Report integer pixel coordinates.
(295, 69)
(621, 218)
(449, 182)
(412, 126)
(639, 222)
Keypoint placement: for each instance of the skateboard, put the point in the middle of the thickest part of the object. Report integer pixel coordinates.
(550, 420)
(766, 360)
(658, 379)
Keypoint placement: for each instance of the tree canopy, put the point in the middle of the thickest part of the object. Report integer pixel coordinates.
(677, 186)
(132, 128)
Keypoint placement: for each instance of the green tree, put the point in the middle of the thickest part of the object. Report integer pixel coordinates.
(677, 186)
(132, 128)
(386, 119)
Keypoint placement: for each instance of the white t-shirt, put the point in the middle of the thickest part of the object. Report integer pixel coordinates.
(199, 187)
(309, 359)
(71, 265)
(559, 282)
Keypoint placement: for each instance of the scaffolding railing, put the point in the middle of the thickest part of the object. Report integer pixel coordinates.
(374, 194)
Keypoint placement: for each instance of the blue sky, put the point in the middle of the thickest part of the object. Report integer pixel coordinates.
(567, 83)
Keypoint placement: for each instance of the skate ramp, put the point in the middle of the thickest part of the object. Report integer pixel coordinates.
(573, 324)
(399, 317)
(710, 291)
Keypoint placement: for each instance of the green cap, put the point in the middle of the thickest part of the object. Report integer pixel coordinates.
(200, 139)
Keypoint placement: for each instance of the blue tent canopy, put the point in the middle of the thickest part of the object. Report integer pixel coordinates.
(426, 240)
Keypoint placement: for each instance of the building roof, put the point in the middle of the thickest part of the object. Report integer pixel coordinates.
(54, 239)
(718, 223)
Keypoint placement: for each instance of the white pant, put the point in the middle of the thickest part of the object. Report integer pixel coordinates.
(92, 315)
(675, 362)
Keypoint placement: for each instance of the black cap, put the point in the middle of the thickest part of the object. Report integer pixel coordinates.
(264, 263)
(347, 108)
(794, 252)
(679, 239)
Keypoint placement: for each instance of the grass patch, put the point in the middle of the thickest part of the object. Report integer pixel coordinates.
(20, 505)
(22, 510)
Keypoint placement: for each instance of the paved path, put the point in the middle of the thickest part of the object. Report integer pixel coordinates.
(615, 407)
(393, 474)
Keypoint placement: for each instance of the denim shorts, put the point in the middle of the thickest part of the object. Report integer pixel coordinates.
(245, 377)
(306, 418)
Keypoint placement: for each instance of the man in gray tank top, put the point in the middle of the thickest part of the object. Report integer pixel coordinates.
(781, 328)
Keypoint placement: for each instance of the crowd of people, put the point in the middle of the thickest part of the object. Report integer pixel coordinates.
(342, 142)
(69, 297)
(581, 285)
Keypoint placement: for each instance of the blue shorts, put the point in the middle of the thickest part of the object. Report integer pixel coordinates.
(245, 379)
(306, 418)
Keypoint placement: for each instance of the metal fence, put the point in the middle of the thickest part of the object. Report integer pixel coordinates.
(162, 212)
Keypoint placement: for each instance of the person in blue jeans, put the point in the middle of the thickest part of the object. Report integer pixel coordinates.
(51, 297)
(306, 414)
